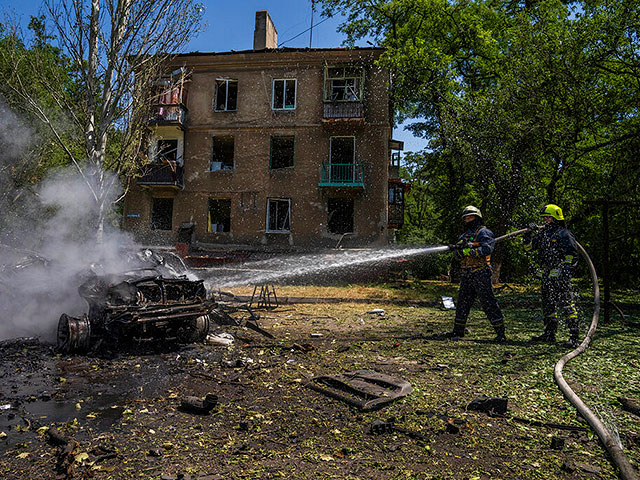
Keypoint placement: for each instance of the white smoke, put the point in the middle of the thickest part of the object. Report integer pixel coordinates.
(47, 241)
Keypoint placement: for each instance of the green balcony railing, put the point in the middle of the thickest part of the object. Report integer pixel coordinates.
(341, 175)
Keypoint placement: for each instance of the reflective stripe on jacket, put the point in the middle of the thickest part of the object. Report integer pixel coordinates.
(482, 244)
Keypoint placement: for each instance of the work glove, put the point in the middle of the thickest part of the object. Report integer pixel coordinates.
(466, 252)
(554, 273)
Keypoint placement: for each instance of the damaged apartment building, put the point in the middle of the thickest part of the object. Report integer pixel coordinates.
(271, 147)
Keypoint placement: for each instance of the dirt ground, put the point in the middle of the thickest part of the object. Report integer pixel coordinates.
(120, 412)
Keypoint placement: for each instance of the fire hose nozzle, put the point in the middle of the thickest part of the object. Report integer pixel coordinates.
(455, 247)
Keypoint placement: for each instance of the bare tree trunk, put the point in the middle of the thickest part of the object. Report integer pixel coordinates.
(117, 49)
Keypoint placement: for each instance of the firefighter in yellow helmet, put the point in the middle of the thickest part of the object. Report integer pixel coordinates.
(474, 249)
(556, 252)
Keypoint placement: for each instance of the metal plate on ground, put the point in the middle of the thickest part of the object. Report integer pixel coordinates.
(364, 389)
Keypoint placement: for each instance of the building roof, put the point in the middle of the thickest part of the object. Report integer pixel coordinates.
(281, 50)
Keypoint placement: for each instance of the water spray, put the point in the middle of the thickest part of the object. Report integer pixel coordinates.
(627, 472)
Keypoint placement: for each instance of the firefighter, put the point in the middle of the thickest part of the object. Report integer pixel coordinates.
(556, 252)
(474, 249)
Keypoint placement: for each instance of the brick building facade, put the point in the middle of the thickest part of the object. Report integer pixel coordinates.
(271, 147)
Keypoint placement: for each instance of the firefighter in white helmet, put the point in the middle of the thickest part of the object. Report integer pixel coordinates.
(474, 249)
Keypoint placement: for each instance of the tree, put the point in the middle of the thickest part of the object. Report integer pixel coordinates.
(113, 50)
(522, 103)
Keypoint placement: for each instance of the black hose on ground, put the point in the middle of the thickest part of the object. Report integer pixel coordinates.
(627, 472)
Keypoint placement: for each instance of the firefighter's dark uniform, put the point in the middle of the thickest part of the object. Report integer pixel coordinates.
(475, 281)
(556, 252)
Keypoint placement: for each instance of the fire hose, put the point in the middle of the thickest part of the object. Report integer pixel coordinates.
(627, 472)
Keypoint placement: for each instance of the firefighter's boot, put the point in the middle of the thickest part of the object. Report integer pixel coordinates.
(574, 330)
(573, 341)
(500, 336)
(549, 334)
(456, 334)
(574, 335)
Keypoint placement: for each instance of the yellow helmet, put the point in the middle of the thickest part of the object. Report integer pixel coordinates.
(553, 211)
(471, 210)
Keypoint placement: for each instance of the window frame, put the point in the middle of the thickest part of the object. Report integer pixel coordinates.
(152, 224)
(158, 152)
(226, 100)
(284, 94)
(209, 218)
(395, 194)
(352, 219)
(268, 216)
(233, 155)
(353, 160)
(293, 151)
(349, 72)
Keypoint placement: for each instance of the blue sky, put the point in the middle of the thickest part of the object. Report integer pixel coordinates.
(229, 26)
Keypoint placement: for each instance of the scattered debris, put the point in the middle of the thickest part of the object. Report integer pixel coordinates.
(266, 298)
(377, 311)
(364, 389)
(56, 438)
(557, 443)
(448, 304)
(559, 426)
(220, 339)
(490, 406)
(240, 362)
(201, 406)
(305, 347)
(630, 405)
(316, 335)
(570, 466)
(380, 427)
(65, 455)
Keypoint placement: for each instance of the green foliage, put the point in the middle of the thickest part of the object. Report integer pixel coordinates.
(19, 64)
(522, 103)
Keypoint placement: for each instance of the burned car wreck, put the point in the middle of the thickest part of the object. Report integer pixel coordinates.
(153, 306)
(148, 309)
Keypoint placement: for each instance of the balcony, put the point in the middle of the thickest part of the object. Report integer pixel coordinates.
(337, 111)
(342, 175)
(169, 114)
(166, 174)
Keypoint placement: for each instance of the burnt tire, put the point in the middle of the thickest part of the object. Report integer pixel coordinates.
(197, 330)
(74, 334)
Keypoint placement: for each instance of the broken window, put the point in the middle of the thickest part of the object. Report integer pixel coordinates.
(396, 194)
(342, 154)
(167, 151)
(340, 215)
(343, 150)
(222, 156)
(226, 95)
(281, 152)
(161, 213)
(219, 215)
(284, 94)
(278, 214)
(343, 84)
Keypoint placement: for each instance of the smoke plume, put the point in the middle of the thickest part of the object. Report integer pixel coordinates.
(47, 240)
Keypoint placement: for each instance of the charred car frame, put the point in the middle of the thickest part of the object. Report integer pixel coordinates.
(139, 311)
